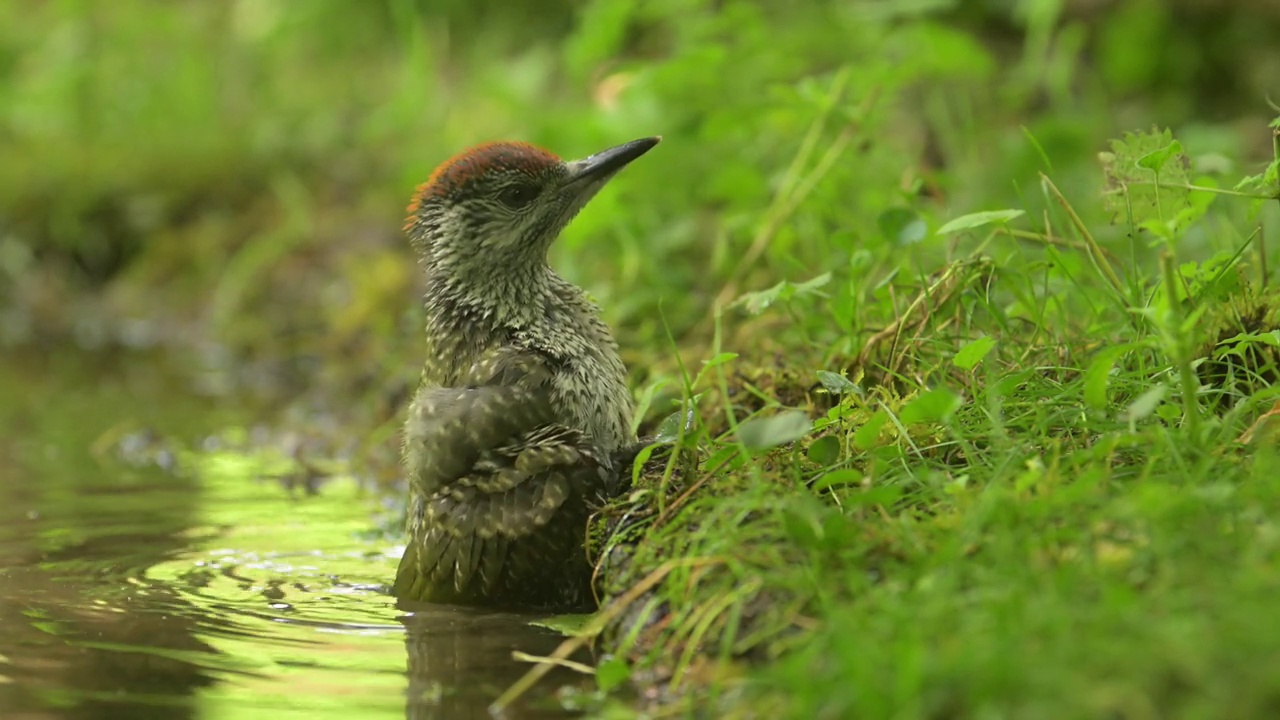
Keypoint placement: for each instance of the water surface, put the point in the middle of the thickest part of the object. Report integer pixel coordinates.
(190, 585)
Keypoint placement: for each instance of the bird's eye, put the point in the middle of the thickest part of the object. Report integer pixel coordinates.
(518, 196)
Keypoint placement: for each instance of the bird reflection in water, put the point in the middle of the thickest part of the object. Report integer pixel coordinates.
(460, 661)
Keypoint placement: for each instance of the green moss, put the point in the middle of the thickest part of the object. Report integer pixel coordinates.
(1242, 355)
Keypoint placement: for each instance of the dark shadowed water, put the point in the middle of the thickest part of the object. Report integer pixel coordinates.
(188, 586)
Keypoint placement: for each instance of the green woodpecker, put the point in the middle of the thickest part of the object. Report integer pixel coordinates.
(523, 417)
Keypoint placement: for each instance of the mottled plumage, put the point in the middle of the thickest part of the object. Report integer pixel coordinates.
(523, 407)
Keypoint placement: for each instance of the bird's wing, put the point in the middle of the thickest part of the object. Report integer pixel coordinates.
(510, 365)
(512, 493)
(517, 488)
(491, 466)
(485, 469)
(449, 429)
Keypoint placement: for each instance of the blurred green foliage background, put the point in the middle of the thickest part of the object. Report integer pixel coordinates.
(235, 171)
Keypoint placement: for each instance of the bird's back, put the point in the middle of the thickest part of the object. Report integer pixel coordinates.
(500, 515)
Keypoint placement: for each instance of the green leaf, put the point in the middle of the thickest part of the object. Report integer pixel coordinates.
(726, 457)
(720, 359)
(809, 287)
(802, 527)
(1266, 182)
(1156, 159)
(931, 406)
(866, 437)
(837, 384)
(780, 429)
(1145, 404)
(825, 450)
(645, 401)
(844, 303)
(611, 673)
(837, 477)
(879, 495)
(669, 428)
(1098, 373)
(1238, 344)
(757, 302)
(838, 531)
(901, 226)
(1213, 278)
(638, 462)
(973, 353)
(978, 219)
(1169, 412)
(1146, 176)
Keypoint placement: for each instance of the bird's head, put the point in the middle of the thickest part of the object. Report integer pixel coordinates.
(488, 215)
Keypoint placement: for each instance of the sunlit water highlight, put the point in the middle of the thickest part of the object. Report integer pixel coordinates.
(139, 591)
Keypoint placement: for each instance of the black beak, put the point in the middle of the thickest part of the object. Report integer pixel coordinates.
(598, 168)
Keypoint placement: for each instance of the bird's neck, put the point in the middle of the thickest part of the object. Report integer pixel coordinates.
(496, 297)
